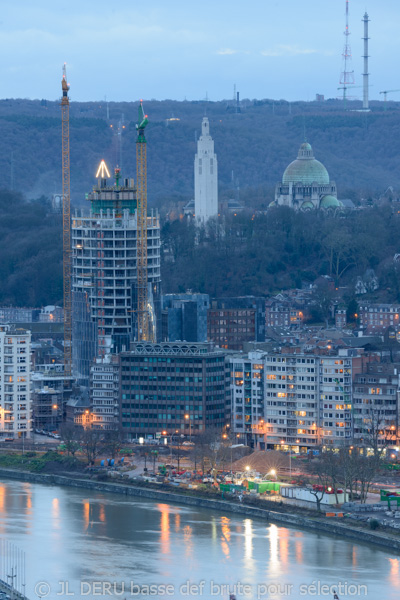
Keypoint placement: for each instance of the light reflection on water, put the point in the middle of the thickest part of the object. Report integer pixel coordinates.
(68, 534)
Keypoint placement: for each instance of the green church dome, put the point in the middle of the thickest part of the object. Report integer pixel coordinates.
(306, 169)
(330, 202)
(307, 205)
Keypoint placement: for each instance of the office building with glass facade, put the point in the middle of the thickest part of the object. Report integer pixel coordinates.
(175, 387)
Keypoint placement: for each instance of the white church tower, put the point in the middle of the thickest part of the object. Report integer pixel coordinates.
(205, 176)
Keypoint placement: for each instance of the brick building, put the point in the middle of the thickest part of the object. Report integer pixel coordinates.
(234, 321)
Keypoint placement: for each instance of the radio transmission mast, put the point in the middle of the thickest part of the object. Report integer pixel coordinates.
(66, 208)
(347, 77)
(366, 57)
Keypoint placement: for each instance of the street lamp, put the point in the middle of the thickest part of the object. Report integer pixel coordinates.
(190, 427)
(290, 458)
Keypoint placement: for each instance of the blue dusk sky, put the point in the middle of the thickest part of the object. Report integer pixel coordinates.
(181, 49)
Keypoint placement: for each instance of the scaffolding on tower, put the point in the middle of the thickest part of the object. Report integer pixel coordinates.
(143, 329)
(66, 209)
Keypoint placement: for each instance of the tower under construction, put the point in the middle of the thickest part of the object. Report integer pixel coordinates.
(347, 76)
(105, 272)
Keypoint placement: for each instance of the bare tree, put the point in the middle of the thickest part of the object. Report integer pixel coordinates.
(348, 476)
(377, 432)
(70, 435)
(217, 450)
(317, 468)
(333, 469)
(92, 442)
(179, 452)
(113, 441)
(367, 468)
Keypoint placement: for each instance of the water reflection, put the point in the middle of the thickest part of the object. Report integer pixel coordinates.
(68, 534)
(55, 515)
(226, 535)
(394, 572)
(248, 545)
(164, 528)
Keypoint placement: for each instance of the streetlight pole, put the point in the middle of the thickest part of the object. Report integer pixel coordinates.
(190, 427)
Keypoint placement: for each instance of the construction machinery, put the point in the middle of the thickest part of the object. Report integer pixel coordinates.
(143, 333)
(66, 209)
(385, 93)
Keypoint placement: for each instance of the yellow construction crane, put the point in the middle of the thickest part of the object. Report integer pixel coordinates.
(66, 195)
(141, 240)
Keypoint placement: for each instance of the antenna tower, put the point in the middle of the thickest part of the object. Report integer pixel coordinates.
(66, 209)
(347, 77)
(365, 57)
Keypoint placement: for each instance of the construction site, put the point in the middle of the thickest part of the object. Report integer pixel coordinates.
(111, 262)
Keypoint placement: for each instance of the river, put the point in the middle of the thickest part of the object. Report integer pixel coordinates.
(94, 545)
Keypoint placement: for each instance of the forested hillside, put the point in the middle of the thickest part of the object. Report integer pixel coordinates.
(361, 151)
(247, 254)
(30, 252)
(283, 249)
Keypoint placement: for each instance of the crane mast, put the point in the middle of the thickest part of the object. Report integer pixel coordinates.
(141, 240)
(66, 209)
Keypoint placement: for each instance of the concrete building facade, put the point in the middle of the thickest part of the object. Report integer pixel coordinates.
(104, 393)
(104, 274)
(15, 383)
(376, 318)
(294, 400)
(376, 404)
(205, 176)
(173, 387)
(234, 321)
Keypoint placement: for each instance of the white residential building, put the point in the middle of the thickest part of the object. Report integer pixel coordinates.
(294, 400)
(104, 393)
(205, 176)
(15, 392)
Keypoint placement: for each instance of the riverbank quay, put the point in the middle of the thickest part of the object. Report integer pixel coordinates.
(316, 523)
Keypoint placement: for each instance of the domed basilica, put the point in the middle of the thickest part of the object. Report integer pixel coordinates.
(306, 185)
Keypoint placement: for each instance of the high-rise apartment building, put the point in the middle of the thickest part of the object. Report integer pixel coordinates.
(205, 176)
(303, 400)
(104, 284)
(15, 391)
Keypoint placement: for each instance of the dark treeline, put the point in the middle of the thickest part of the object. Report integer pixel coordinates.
(282, 249)
(244, 254)
(30, 252)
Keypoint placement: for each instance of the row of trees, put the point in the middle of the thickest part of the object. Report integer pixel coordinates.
(92, 442)
(348, 469)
